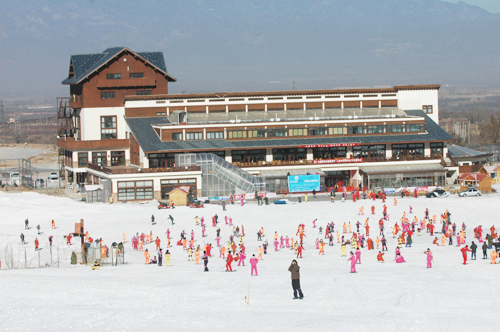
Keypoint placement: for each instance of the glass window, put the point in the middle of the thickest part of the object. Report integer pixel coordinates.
(176, 136)
(99, 158)
(237, 134)
(215, 135)
(108, 95)
(437, 148)
(136, 75)
(357, 130)
(108, 127)
(329, 153)
(276, 133)
(83, 158)
(193, 136)
(337, 131)
(113, 76)
(135, 190)
(418, 127)
(318, 131)
(144, 92)
(117, 158)
(297, 132)
(427, 109)
(256, 133)
(376, 129)
(400, 128)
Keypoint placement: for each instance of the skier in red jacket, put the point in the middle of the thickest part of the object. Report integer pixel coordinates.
(464, 253)
(228, 262)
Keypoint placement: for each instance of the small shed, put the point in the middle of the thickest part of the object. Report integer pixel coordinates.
(480, 181)
(179, 195)
(491, 171)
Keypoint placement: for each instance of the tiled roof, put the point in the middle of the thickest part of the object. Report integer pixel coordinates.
(474, 176)
(150, 142)
(86, 64)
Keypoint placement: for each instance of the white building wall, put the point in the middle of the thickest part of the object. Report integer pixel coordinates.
(415, 99)
(91, 122)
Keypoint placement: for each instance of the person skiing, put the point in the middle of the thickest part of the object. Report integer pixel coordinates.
(380, 257)
(26, 224)
(473, 248)
(171, 219)
(295, 273)
(429, 258)
(229, 260)
(167, 258)
(358, 256)
(384, 244)
(485, 250)
(38, 229)
(146, 256)
(205, 260)
(36, 244)
(152, 219)
(50, 240)
(352, 258)
(22, 238)
(464, 253)
(160, 257)
(253, 264)
(242, 258)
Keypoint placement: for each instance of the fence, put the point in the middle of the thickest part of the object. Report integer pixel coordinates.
(19, 256)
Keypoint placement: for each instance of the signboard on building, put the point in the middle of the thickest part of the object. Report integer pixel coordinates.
(338, 161)
(301, 183)
(328, 145)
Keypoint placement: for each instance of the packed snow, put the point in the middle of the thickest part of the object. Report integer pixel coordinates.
(135, 297)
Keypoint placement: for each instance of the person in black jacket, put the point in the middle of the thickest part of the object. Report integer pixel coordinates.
(485, 251)
(473, 248)
(294, 269)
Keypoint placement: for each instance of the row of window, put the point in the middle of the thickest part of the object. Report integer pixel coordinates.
(359, 151)
(135, 190)
(111, 94)
(320, 131)
(100, 158)
(117, 76)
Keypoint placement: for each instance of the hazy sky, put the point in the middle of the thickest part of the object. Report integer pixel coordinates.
(490, 5)
(256, 45)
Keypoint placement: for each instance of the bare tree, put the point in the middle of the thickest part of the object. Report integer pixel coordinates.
(490, 130)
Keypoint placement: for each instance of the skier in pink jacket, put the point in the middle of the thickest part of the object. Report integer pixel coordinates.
(253, 264)
(358, 256)
(276, 243)
(352, 258)
(242, 258)
(429, 258)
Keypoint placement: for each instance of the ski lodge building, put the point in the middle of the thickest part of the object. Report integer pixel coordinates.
(120, 128)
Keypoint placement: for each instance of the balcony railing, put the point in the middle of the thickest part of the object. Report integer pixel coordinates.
(136, 170)
(71, 144)
(342, 161)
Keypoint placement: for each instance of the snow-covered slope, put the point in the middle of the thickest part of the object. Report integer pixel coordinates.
(381, 296)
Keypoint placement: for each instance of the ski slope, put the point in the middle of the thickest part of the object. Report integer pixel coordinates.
(138, 297)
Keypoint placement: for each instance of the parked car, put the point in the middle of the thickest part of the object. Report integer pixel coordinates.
(53, 176)
(470, 192)
(437, 193)
(39, 183)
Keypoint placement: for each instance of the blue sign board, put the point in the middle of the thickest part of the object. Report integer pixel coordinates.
(302, 183)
